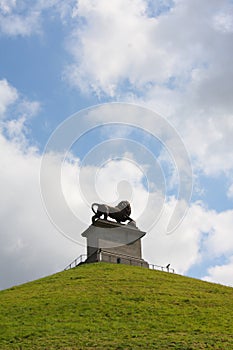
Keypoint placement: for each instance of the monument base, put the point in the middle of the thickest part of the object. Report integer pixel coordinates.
(109, 241)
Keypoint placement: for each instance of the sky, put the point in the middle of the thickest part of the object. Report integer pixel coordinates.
(103, 101)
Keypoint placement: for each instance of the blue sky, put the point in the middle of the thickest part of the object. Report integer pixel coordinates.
(173, 58)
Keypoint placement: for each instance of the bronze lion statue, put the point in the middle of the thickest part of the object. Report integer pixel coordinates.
(120, 213)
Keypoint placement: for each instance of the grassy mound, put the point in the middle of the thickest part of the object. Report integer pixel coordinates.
(106, 306)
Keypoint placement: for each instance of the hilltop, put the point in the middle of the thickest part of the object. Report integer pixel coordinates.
(107, 306)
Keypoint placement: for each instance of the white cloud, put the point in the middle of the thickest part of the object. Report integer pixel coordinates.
(116, 45)
(221, 273)
(6, 6)
(169, 61)
(8, 95)
(181, 248)
(24, 18)
(203, 236)
(220, 239)
(28, 108)
(14, 24)
(224, 21)
(210, 142)
(23, 108)
(120, 42)
(120, 48)
(30, 246)
(16, 129)
(230, 191)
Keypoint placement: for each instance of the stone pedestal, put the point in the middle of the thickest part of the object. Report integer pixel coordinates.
(112, 242)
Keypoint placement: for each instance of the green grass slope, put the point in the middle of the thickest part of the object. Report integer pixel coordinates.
(107, 306)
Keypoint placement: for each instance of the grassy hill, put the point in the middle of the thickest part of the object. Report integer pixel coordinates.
(106, 306)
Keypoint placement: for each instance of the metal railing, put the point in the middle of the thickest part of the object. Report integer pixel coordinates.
(82, 258)
(161, 268)
(76, 262)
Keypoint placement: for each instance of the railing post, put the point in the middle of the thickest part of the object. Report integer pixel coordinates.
(100, 251)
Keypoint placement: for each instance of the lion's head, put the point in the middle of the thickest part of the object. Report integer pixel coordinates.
(124, 207)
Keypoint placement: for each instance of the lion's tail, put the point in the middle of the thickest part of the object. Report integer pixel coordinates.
(94, 205)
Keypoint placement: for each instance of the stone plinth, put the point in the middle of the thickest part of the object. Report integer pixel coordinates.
(112, 242)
